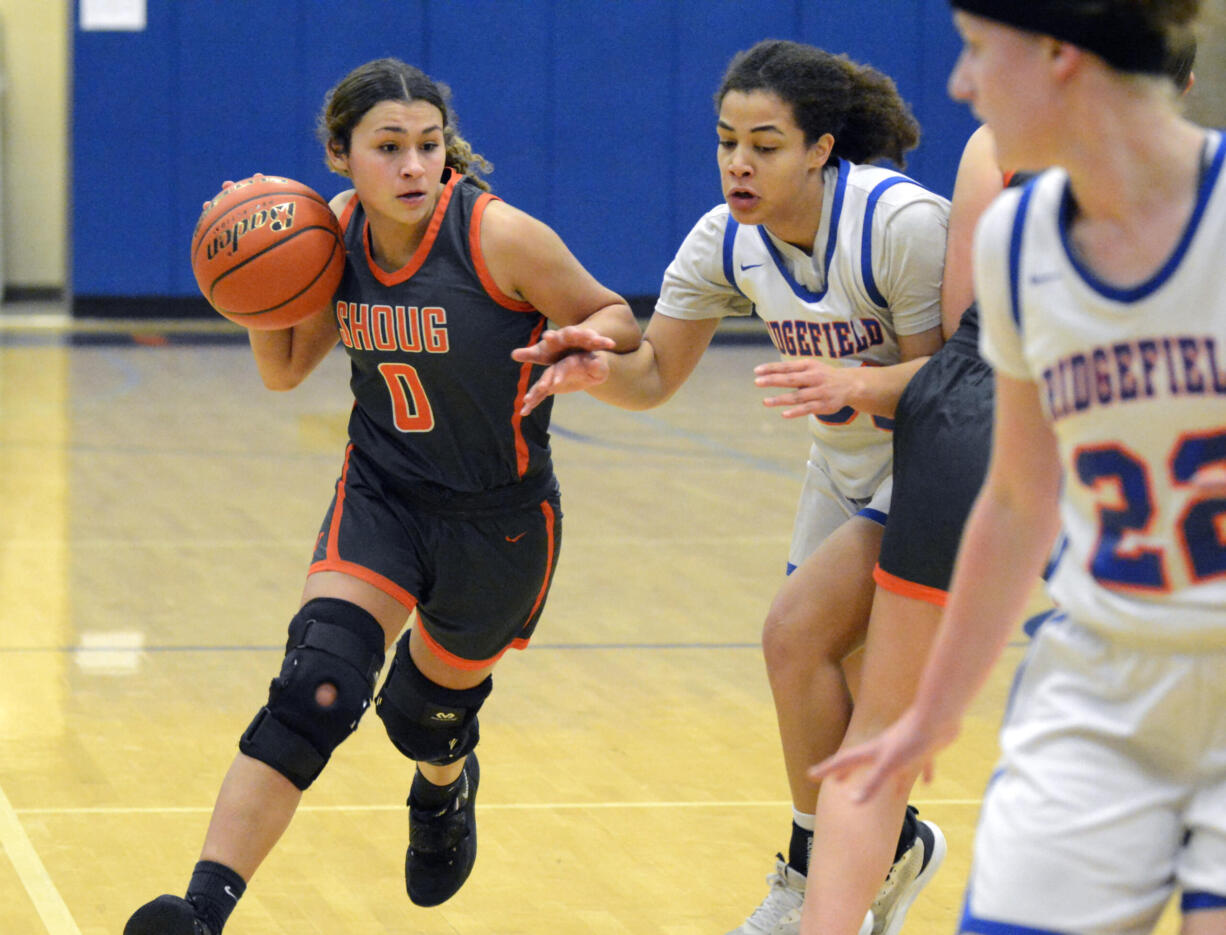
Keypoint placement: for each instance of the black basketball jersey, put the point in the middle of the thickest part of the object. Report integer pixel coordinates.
(437, 395)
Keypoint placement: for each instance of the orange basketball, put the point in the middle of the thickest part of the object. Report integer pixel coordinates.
(268, 252)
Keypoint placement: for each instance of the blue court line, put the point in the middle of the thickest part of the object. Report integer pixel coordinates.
(254, 454)
(705, 441)
(144, 451)
(614, 444)
(48, 330)
(129, 379)
(280, 648)
(711, 445)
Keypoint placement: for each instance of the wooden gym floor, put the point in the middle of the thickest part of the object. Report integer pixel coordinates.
(158, 508)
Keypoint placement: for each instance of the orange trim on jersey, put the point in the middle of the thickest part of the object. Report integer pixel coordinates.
(550, 525)
(459, 662)
(332, 554)
(332, 560)
(423, 248)
(921, 592)
(483, 272)
(519, 642)
(347, 211)
(517, 420)
(361, 572)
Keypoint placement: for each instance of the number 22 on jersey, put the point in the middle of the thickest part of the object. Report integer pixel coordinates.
(1200, 530)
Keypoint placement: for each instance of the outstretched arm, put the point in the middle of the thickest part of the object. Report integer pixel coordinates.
(637, 379)
(528, 261)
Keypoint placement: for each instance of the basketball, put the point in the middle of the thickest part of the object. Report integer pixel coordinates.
(268, 252)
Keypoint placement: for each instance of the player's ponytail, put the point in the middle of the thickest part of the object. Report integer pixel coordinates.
(856, 104)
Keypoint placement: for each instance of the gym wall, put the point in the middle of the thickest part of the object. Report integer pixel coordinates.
(597, 114)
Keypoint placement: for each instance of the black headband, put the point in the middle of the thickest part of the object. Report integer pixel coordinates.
(1123, 37)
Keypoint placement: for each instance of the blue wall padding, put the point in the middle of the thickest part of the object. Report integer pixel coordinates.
(597, 114)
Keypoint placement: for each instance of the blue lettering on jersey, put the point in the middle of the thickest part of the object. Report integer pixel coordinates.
(1134, 370)
(800, 338)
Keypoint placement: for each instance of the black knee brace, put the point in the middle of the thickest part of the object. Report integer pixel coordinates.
(331, 643)
(427, 722)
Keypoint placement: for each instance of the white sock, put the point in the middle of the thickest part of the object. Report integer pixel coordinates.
(803, 820)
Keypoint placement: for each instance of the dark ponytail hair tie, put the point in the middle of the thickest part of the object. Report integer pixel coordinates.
(1123, 37)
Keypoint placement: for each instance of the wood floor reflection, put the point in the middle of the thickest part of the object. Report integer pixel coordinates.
(158, 510)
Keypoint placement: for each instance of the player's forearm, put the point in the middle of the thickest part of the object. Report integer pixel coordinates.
(876, 390)
(273, 352)
(635, 380)
(284, 357)
(616, 321)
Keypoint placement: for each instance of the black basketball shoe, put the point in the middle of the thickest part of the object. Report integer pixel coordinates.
(166, 915)
(443, 843)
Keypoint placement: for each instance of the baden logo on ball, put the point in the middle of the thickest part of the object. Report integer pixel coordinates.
(268, 252)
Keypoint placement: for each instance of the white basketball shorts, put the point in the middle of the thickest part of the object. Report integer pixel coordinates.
(823, 508)
(1110, 794)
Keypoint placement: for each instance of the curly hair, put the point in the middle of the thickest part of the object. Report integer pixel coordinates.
(389, 79)
(856, 104)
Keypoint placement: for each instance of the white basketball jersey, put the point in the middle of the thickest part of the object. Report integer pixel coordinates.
(1133, 382)
(875, 273)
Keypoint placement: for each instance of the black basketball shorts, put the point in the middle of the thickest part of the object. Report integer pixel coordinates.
(942, 440)
(477, 567)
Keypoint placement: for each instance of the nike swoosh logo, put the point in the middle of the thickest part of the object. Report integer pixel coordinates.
(230, 892)
(1037, 279)
(516, 538)
(745, 266)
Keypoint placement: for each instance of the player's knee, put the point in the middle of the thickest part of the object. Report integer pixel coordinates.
(782, 652)
(326, 695)
(427, 722)
(774, 644)
(332, 659)
(797, 642)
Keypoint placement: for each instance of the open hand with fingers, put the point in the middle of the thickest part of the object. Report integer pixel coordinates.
(898, 754)
(225, 187)
(571, 360)
(820, 388)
